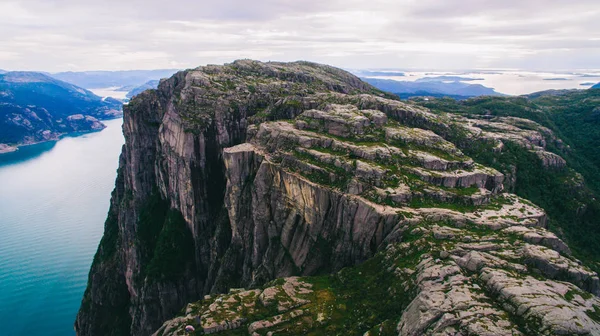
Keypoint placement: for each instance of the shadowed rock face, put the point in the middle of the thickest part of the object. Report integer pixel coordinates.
(235, 175)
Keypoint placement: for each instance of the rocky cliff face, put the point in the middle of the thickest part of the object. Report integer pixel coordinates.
(235, 175)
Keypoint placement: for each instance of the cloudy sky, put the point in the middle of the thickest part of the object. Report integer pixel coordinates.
(60, 35)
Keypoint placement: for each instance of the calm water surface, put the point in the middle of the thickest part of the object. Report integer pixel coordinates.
(53, 202)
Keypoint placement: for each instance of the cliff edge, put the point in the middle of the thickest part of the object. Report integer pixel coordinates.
(233, 176)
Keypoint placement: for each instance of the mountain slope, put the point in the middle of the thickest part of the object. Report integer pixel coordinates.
(570, 196)
(235, 175)
(35, 107)
(597, 86)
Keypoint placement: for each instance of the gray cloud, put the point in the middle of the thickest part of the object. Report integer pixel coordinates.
(453, 34)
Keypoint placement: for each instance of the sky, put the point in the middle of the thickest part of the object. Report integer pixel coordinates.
(77, 35)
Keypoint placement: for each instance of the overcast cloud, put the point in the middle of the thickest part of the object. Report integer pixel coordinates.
(61, 35)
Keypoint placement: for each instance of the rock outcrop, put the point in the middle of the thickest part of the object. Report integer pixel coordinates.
(453, 279)
(233, 176)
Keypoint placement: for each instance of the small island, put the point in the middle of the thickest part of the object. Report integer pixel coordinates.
(7, 149)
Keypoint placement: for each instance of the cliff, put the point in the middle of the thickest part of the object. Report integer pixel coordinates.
(233, 176)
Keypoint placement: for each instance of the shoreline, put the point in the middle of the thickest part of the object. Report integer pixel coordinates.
(4, 148)
(7, 149)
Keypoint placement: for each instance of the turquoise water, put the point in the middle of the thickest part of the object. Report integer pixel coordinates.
(53, 202)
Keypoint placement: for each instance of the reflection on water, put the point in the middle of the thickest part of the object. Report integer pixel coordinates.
(53, 202)
(29, 152)
(26, 153)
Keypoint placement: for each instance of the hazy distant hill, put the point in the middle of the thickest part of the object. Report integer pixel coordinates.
(377, 73)
(430, 87)
(448, 78)
(547, 93)
(153, 84)
(597, 86)
(424, 94)
(103, 79)
(35, 107)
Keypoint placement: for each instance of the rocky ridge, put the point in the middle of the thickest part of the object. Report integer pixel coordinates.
(235, 175)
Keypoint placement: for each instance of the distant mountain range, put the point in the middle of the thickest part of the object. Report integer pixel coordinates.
(448, 79)
(597, 86)
(35, 107)
(377, 73)
(153, 84)
(431, 86)
(104, 79)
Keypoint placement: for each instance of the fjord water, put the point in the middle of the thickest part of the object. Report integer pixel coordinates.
(53, 202)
